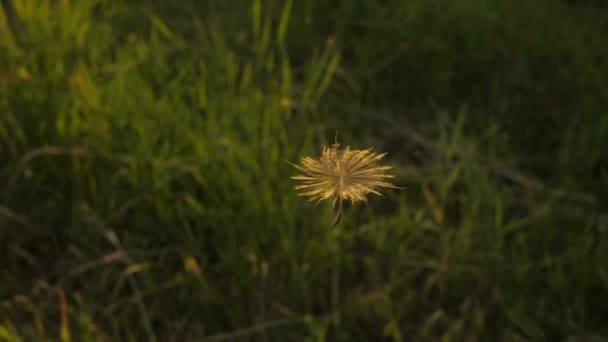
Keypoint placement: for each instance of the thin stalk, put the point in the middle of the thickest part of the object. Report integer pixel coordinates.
(335, 282)
(338, 214)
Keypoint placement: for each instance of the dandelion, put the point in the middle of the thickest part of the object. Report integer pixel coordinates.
(342, 175)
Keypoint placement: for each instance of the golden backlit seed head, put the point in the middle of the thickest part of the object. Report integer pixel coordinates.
(344, 175)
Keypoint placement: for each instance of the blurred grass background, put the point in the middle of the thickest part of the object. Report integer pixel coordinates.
(144, 193)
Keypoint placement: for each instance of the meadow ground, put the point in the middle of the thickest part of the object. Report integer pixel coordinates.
(145, 189)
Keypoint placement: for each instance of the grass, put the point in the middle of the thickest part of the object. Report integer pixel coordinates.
(145, 193)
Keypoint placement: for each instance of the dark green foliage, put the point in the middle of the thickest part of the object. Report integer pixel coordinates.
(143, 173)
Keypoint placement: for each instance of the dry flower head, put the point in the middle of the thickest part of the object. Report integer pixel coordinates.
(342, 175)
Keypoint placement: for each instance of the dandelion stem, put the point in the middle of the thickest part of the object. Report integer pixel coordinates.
(335, 282)
(338, 214)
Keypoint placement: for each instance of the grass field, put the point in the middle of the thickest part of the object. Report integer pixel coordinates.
(145, 189)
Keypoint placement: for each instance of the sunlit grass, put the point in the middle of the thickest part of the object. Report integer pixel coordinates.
(144, 193)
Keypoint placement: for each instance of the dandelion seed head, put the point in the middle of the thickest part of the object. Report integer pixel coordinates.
(347, 174)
